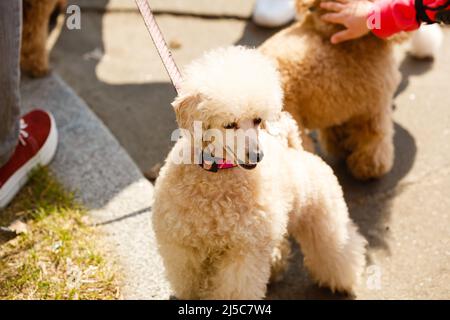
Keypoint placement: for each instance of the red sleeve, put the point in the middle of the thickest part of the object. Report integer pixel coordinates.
(392, 16)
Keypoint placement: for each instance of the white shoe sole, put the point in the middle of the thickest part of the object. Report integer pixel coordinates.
(42, 158)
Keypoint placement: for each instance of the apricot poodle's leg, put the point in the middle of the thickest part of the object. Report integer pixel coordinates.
(372, 154)
(334, 250)
(332, 141)
(34, 55)
(240, 275)
(183, 270)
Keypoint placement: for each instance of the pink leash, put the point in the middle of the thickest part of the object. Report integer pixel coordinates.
(160, 43)
(171, 67)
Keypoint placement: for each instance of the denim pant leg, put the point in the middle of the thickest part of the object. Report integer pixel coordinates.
(10, 40)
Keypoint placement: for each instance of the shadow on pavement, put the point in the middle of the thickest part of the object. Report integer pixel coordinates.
(127, 216)
(254, 36)
(370, 202)
(144, 110)
(412, 67)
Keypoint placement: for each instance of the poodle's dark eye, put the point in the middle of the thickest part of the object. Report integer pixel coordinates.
(257, 121)
(232, 125)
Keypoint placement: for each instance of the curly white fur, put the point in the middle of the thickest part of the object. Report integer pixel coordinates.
(219, 233)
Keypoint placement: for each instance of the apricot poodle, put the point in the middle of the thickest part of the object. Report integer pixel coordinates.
(344, 91)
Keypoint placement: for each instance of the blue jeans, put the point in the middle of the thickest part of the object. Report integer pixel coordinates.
(10, 39)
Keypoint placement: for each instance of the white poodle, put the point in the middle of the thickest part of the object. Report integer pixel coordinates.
(221, 224)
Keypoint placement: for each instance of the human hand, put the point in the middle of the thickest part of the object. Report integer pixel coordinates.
(351, 14)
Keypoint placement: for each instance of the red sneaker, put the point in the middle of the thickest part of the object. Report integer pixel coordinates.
(38, 140)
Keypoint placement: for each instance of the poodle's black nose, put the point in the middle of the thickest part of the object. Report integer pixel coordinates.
(255, 157)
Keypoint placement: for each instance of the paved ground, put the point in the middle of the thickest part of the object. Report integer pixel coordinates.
(90, 162)
(112, 64)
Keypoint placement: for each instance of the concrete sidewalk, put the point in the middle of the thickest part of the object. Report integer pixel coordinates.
(90, 162)
(112, 65)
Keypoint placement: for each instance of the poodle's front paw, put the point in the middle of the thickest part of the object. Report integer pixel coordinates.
(371, 163)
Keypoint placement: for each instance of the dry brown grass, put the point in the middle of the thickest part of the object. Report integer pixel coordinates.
(56, 258)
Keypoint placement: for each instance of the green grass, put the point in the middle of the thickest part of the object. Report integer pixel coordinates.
(56, 258)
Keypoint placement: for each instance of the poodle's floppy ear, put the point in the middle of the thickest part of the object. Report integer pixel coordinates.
(185, 107)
